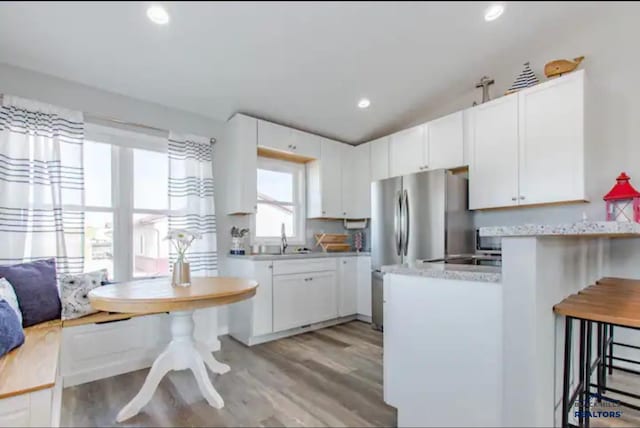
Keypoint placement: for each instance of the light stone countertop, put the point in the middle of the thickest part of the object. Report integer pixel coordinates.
(605, 229)
(294, 256)
(448, 271)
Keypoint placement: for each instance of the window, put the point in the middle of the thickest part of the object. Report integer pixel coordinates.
(281, 201)
(126, 203)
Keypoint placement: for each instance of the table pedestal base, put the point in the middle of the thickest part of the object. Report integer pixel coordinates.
(182, 353)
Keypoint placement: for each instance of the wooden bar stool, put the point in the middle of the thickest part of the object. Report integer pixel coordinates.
(610, 302)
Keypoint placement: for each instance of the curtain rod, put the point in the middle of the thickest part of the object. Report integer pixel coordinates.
(124, 122)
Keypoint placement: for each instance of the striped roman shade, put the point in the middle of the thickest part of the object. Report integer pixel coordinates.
(41, 172)
(191, 199)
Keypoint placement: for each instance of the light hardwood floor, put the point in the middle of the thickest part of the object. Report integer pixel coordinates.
(331, 377)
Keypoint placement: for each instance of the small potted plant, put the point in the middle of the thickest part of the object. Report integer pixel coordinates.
(181, 240)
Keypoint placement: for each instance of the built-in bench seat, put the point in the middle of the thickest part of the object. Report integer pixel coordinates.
(99, 317)
(29, 389)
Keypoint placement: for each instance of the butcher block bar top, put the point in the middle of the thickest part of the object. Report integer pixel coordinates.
(597, 229)
(610, 300)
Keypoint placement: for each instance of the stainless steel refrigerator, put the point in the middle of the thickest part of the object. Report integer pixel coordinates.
(417, 217)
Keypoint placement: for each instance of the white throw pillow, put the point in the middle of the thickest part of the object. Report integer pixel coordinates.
(8, 293)
(74, 291)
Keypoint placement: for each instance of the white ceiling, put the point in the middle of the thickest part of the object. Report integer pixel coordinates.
(301, 64)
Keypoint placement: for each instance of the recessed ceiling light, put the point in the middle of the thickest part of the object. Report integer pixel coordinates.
(158, 14)
(493, 12)
(364, 103)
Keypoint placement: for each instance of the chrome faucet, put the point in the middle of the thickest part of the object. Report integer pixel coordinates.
(283, 240)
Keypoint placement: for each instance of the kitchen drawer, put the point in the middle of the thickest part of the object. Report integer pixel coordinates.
(286, 267)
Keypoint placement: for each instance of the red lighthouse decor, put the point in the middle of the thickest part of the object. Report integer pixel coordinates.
(623, 201)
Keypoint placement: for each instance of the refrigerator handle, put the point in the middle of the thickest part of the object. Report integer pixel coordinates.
(397, 222)
(405, 221)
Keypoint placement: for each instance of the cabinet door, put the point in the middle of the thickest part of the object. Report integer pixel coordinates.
(240, 167)
(291, 301)
(364, 285)
(379, 158)
(322, 296)
(552, 141)
(349, 174)
(446, 142)
(305, 144)
(493, 171)
(276, 137)
(331, 178)
(263, 300)
(361, 183)
(347, 286)
(407, 151)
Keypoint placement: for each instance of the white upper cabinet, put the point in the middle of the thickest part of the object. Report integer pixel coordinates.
(379, 158)
(360, 204)
(349, 174)
(446, 142)
(408, 151)
(289, 140)
(324, 182)
(552, 141)
(240, 165)
(493, 168)
(528, 148)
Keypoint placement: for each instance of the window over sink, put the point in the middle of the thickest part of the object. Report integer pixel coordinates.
(281, 200)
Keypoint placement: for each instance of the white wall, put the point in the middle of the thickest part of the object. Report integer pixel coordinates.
(612, 116)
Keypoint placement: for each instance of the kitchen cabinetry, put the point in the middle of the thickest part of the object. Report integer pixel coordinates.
(347, 286)
(356, 193)
(289, 140)
(324, 181)
(528, 148)
(445, 142)
(241, 164)
(408, 151)
(291, 304)
(493, 171)
(552, 141)
(379, 158)
(364, 287)
(294, 294)
(253, 317)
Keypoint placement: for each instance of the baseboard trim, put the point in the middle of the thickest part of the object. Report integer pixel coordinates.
(256, 340)
(363, 318)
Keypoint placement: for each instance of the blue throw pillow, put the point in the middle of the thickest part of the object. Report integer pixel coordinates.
(36, 288)
(11, 333)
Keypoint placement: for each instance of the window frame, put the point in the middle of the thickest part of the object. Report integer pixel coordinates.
(123, 143)
(299, 201)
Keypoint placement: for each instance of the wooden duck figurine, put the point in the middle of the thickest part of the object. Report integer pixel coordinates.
(560, 66)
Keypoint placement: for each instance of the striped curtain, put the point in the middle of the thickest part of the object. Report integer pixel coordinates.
(41, 173)
(191, 199)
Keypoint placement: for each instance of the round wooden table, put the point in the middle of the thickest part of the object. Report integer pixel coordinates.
(183, 352)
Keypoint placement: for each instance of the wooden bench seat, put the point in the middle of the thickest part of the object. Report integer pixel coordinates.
(34, 365)
(99, 317)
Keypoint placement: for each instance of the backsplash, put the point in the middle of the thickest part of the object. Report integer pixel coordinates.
(333, 226)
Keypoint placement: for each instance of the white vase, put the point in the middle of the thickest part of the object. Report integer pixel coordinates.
(181, 274)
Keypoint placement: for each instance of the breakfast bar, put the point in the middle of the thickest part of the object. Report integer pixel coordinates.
(510, 309)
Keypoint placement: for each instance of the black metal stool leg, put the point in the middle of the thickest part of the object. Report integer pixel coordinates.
(567, 371)
(599, 357)
(581, 385)
(603, 383)
(611, 349)
(587, 375)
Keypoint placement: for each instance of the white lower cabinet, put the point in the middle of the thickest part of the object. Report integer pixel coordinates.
(347, 286)
(291, 305)
(295, 294)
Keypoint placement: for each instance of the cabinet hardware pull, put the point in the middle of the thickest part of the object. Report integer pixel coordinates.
(514, 199)
(521, 197)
